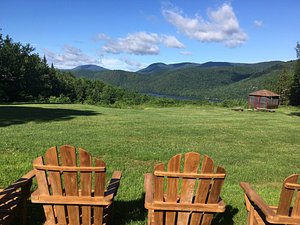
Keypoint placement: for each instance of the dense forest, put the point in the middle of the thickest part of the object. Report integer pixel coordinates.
(26, 77)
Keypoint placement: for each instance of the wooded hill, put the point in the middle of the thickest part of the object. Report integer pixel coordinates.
(211, 80)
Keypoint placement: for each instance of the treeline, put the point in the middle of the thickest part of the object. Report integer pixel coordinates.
(25, 77)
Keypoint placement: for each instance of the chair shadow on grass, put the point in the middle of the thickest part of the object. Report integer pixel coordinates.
(225, 218)
(126, 211)
(13, 115)
(123, 212)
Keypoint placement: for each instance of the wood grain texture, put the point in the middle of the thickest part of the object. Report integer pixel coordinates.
(191, 165)
(214, 195)
(68, 158)
(158, 194)
(203, 188)
(43, 189)
(172, 187)
(51, 158)
(99, 191)
(85, 184)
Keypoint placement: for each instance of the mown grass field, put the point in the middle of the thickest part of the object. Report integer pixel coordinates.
(256, 147)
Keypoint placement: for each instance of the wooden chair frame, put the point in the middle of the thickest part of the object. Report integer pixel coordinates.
(259, 212)
(174, 206)
(66, 188)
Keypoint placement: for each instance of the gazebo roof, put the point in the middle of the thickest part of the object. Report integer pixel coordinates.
(265, 93)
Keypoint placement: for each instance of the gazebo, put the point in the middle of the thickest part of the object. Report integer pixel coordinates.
(263, 99)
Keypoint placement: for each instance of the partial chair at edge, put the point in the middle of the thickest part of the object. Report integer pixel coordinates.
(287, 212)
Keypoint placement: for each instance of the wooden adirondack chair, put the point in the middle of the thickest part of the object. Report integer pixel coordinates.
(287, 212)
(71, 187)
(13, 200)
(184, 197)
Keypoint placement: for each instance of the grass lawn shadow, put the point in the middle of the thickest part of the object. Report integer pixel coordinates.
(13, 115)
(294, 114)
(225, 218)
(126, 211)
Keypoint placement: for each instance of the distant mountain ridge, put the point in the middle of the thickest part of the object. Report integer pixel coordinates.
(208, 80)
(89, 67)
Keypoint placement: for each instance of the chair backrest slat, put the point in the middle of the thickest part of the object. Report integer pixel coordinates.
(172, 187)
(99, 191)
(296, 208)
(158, 194)
(43, 189)
(214, 195)
(191, 164)
(51, 158)
(203, 188)
(68, 158)
(286, 196)
(85, 184)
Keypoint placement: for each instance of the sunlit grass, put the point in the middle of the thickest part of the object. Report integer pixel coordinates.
(260, 148)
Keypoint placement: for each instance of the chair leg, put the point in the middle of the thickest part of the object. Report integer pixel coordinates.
(150, 217)
(251, 216)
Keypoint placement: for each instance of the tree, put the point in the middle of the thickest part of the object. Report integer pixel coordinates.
(23, 74)
(283, 86)
(295, 87)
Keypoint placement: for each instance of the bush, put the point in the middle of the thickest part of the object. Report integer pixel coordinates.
(229, 103)
(62, 99)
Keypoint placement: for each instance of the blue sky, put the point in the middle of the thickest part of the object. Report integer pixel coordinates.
(133, 34)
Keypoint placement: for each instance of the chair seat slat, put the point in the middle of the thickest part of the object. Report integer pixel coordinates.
(70, 168)
(70, 200)
(189, 175)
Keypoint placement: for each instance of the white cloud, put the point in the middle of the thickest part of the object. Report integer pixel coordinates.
(258, 23)
(171, 42)
(221, 26)
(101, 37)
(140, 43)
(133, 65)
(186, 53)
(69, 57)
(121, 64)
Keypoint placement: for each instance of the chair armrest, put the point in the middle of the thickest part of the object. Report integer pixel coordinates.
(254, 197)
(29, 175)
(113, 186)
(148, 178)
(20, 183)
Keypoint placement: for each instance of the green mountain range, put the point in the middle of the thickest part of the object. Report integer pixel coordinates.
(211, 80)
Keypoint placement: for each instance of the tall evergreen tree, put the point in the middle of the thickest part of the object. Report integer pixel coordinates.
(295, 88)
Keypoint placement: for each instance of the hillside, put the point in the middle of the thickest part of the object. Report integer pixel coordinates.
(208, 80)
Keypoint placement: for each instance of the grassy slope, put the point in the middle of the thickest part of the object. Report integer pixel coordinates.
(261, 148)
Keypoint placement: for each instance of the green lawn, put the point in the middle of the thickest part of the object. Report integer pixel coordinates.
(258, 147)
